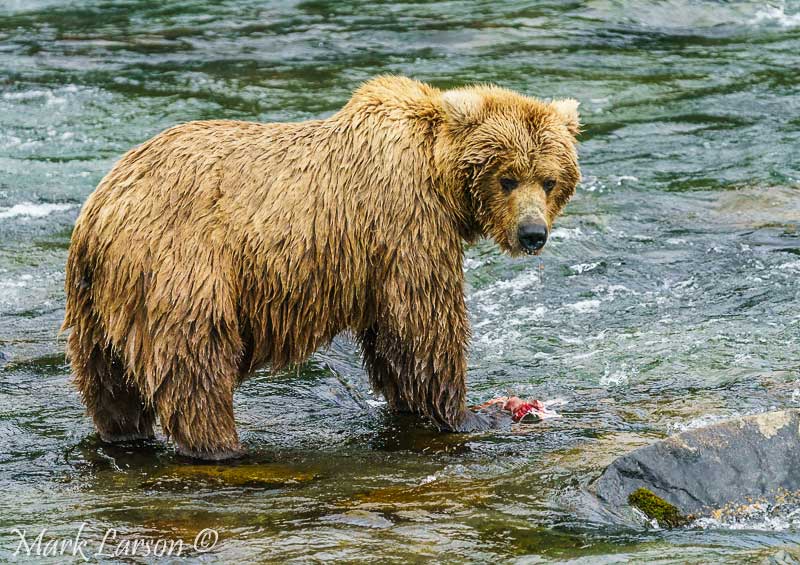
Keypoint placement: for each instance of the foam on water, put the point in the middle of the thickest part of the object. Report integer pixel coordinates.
(566, 233)
(778, 15)
(617, 376)
(699, 422)
(56, 97)
(760, 516)
(585, 306)
(510, 287)
(581, 268)
(624, 179)
(613, 290)
(33, 210)
(471, 263)
(592, 184)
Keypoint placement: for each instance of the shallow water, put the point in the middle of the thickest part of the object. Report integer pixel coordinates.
(668, 296)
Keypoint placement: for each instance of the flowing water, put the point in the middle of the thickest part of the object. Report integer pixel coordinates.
(668, 297)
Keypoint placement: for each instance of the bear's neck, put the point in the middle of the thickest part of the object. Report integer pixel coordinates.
(454, 183)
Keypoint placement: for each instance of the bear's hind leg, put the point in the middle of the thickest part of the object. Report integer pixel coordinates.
(119, 411)
(196, 375)
(194, 367)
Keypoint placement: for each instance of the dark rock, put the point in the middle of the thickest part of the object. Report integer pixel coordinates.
(733, 462)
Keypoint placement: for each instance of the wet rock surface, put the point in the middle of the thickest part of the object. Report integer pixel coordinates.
(699, 471)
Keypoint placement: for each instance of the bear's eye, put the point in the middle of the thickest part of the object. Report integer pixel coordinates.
(549, 185)
(508, 184)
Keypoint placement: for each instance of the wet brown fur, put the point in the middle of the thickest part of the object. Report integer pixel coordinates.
(221, 246)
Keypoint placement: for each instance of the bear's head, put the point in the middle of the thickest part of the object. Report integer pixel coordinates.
(513, 161)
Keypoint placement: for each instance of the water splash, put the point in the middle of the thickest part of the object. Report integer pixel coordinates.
(778, 15)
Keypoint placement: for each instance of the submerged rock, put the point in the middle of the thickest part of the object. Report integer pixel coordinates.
(699, 472)
(439, 495)
(232, 475)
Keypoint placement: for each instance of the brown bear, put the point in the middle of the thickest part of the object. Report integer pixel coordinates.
(218, 247)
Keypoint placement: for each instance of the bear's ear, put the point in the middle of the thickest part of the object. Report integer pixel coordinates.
(567, 110)
(462, 108)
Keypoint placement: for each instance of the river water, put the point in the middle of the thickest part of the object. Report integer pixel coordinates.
(668, 297)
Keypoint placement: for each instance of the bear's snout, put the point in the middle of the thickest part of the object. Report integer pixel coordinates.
(532, 236)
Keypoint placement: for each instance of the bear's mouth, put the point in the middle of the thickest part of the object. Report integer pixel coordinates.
(532, 252)
(515, 249)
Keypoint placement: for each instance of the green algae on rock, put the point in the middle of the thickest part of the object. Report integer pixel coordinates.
(656, 508)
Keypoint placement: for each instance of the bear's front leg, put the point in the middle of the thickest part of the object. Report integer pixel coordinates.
(416, 352)
(481, 421)
(381, 351)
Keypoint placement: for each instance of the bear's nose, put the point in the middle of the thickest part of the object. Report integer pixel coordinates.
(532, 237)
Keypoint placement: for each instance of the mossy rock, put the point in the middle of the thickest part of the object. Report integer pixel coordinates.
(727, 464)
(656, 508)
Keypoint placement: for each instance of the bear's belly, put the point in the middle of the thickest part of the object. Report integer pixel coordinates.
(283, 325)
